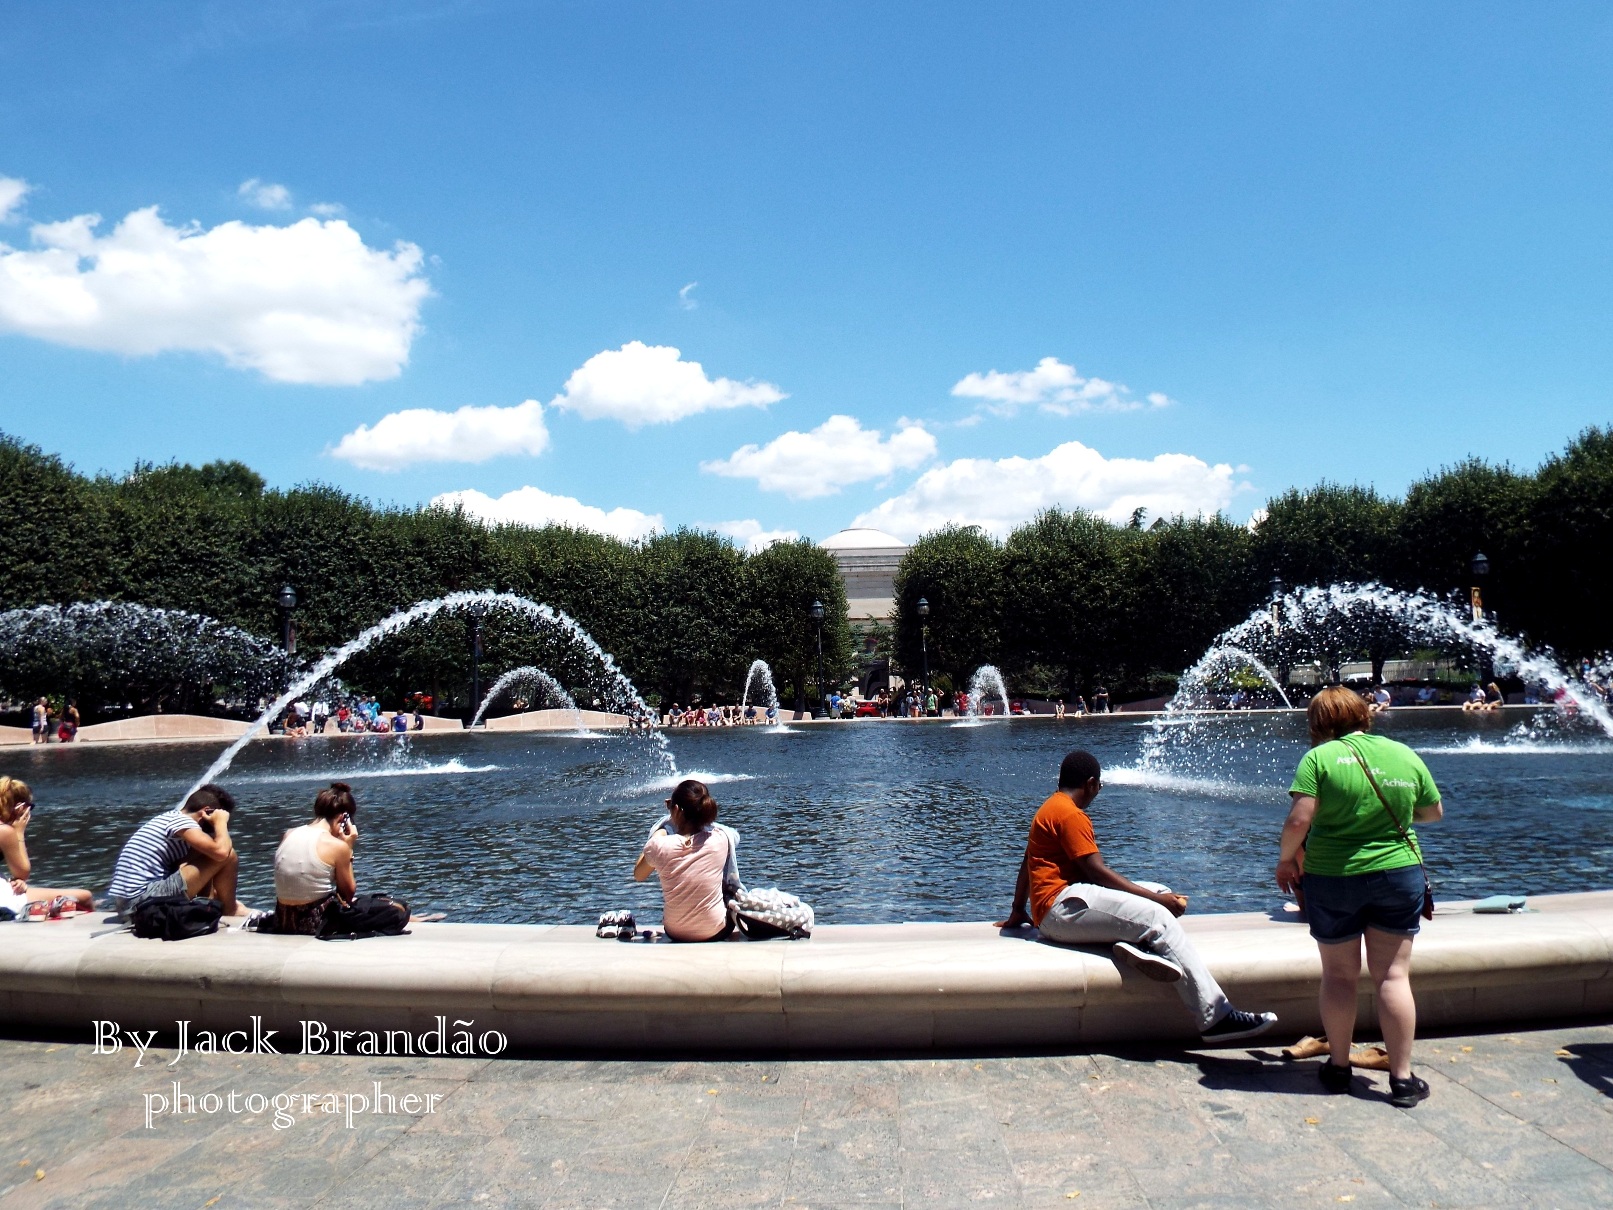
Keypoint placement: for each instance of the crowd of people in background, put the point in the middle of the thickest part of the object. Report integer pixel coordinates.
(356, 714)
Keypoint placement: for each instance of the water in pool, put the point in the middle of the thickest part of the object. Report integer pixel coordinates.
(867, 821)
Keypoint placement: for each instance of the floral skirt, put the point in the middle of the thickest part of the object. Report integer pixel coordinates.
(305, 918)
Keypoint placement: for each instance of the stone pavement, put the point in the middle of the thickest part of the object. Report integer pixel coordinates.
(1522, 1119)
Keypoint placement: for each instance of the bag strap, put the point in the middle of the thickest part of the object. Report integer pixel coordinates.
(1405, 837)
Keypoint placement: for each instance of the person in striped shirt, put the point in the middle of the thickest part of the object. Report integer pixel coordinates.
(182, 852)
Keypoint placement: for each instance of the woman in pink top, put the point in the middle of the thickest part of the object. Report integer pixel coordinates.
(690, 858)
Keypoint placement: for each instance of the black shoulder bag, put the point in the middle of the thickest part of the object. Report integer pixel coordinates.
(1428, 889)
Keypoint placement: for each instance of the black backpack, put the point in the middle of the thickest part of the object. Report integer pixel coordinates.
(372, 915)
(176, 917)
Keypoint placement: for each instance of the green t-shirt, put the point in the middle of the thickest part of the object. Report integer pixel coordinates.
(1351, 833)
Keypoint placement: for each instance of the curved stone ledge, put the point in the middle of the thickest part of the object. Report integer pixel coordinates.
(907, 987)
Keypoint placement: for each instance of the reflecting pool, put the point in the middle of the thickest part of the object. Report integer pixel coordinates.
(867, 820)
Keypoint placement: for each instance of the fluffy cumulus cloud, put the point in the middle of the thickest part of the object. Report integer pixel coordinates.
(533, 506)
(263, 195)
(304, 303)
(471, 434)
(1054, 387)
(641, 384)
(999, 494)
(12, 191)
(837, 453)
(752, 536)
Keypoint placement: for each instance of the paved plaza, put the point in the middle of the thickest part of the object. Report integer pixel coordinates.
(1517, 1119)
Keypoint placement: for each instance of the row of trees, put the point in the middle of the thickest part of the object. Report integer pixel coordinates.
(1070, 600)
(683, 613)
(1066, 601)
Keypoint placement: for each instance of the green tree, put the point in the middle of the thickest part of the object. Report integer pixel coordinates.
(52, 530)
(959, 571)
(1192, 578)
(1069, 586)
(1565, 562)
(781, 583)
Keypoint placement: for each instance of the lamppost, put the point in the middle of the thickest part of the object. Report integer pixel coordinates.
(475, 657)
(1277, 629)
(924, 648)
(287, 600)
(1479, 569)
(817, 616)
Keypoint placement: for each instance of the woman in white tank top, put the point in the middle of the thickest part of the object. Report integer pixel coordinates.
(313, 867)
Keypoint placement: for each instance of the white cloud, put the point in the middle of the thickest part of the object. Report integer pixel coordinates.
(264, 195)
(12, 191)
(999, 495)
(535, 507)
(686, 298)
(305, 303)
(641, 384)
(754, 537)
(328, 209)
(1054, 387)
(471, 434)
(819, 463)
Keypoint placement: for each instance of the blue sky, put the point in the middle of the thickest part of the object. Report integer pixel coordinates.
(1351, 242)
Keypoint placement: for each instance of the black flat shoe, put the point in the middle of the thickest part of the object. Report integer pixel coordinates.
(1403, 1094)
(1334, 1079)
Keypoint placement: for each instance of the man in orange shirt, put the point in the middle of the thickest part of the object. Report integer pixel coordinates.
(1077, 900)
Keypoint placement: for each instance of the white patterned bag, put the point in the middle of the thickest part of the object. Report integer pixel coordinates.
(765, 913)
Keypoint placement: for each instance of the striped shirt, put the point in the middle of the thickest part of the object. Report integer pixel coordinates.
(155, 851)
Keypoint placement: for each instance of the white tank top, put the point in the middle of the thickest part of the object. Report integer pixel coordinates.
(299, 875)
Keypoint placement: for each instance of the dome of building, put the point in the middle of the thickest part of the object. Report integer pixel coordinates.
(862, 538)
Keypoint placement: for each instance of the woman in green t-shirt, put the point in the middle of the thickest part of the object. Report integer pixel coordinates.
(1360, 868)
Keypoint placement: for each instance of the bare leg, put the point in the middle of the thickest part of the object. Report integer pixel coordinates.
(1389, 960)
(1341, 977)
(214, 879)
(43, 894)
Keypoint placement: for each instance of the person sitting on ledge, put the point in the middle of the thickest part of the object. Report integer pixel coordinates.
(1075, 899)
(182, 852)
(1475, 698)
(694, 855)
(314, 863)
(16, 809)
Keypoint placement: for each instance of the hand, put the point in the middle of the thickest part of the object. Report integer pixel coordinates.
(1288, 875)
(1017, 919)
(23, 815)
(1176, 905)
(19, 886)
(219, 817)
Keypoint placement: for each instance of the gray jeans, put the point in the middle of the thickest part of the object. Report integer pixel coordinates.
(1085, 914)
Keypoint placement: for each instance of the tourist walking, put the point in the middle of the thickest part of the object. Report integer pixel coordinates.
(695, 858)
(183, 852)
(16, 809)
(1349, 845)
(1076, 899)
(41, 721)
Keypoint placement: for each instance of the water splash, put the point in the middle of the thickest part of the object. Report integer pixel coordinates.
(1330, 624)
(530, 673)
(986, 682)
(118, 649)
(619, 691)
(760, 668)
(1193, 687)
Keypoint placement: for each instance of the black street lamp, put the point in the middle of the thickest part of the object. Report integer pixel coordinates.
(475, 657)
(924, 648)
(1277, 587)
(817, 616)
(287, 600)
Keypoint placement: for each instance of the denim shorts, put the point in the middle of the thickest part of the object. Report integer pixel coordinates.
(1341, 907)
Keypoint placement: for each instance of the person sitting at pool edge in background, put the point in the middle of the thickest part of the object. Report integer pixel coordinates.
(1076, 899)
(183, 852)
(313, 867)
(16, 809)
(692, 853)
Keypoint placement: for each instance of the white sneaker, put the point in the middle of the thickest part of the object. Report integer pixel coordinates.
(1160, 970)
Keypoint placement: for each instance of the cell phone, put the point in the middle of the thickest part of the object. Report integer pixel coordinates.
(344, 824)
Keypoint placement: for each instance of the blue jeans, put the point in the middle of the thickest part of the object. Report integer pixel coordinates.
(1342, 907)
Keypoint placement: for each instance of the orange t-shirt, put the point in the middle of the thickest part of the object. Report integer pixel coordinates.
(1060, 833)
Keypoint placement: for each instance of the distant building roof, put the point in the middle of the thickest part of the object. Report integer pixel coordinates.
(859, 538)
